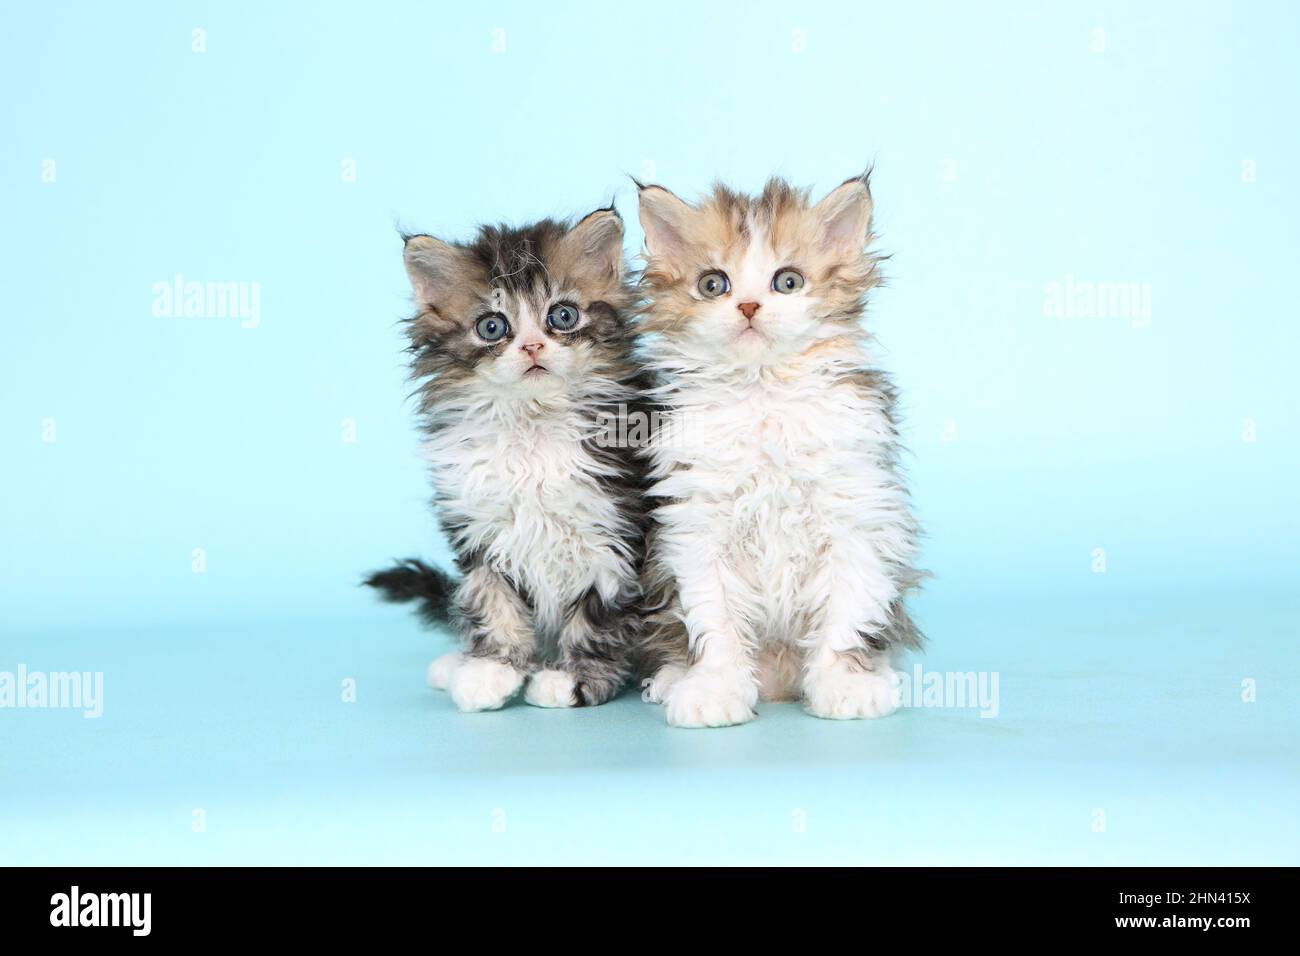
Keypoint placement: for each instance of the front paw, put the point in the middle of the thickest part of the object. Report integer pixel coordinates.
(711, 698)
(551, 688)
(654, 690)
(852, 695)
(441, 670)
(480, 683)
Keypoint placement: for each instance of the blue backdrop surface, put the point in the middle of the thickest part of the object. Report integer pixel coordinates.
(1091, 215)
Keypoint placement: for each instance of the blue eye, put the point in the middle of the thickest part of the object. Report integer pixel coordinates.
(492, 328)
(787, 281)
(713, 284)
(563, 317)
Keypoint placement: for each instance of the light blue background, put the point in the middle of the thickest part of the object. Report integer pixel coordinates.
(1010, 153)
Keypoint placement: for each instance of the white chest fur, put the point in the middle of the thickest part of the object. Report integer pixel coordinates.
(780, 482)
(525, 493)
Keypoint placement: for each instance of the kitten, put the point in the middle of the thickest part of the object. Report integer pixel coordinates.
(522, 349)
(784, 544)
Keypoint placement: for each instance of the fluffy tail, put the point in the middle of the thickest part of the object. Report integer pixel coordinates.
(413, 580)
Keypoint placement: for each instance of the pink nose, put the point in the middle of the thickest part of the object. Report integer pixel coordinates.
(532, 348)
(748, 309)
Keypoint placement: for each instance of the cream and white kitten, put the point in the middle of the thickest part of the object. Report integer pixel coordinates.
(783, 544)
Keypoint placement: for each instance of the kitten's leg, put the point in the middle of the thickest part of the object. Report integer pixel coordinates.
(719, 689)
(498, 629)
(595, 648)
(847, 674)
(665, 647)
(668, 659)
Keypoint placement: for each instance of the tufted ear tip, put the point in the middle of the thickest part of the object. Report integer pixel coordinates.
(863, 177)
(428, 262)
(643, 188)
(845, 215)
(596, 242)
(653, 192)
(606, 217)
(665, 219)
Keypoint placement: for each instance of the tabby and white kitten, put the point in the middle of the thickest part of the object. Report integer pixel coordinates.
(522, 348)
(783, 544)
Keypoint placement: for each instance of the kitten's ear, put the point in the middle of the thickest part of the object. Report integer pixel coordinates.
(665, 219)
(430, 264)
(844, 217)
(596, 244)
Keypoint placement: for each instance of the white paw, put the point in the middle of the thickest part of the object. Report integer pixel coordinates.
(442, 668)
(654, 690)
(706, 697)
(852, 695)
(483, 684)
(548, 688)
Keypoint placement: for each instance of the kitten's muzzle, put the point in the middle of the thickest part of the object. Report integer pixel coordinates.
(534, 349)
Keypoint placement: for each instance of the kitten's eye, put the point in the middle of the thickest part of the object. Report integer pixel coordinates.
(787, 281)
(713, 284)
(492, 328)
(562, 317)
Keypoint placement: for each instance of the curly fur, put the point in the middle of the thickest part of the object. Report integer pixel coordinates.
(546, 519)
(784, 543)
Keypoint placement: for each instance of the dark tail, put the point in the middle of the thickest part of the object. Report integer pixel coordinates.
(413, 580)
